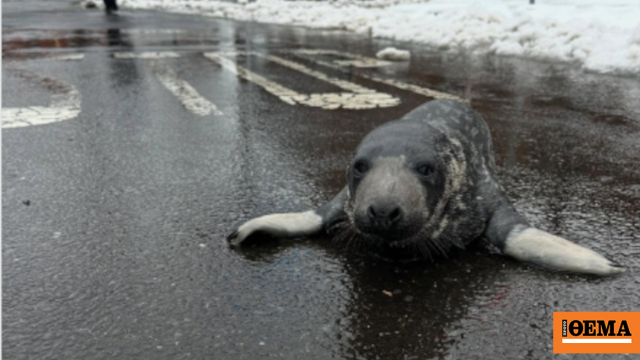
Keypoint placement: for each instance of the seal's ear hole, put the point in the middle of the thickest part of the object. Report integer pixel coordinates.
(441, 139)
(426, 170)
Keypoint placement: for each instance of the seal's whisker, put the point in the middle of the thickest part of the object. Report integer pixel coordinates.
(360, 244)
(415, 250)
(352, 242)
(420, 245)
(439, 246)
(425, 250)
(341, 236)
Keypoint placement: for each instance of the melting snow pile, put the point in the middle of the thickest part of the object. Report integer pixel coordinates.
(603, 36)
(393, 54)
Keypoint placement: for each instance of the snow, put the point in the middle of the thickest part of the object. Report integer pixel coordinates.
(393, 54)
(601, 36)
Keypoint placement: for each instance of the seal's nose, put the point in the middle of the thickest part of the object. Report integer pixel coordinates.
(385, 214)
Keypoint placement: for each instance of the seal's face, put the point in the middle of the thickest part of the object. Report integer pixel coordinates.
(399, 184)
(393, 196)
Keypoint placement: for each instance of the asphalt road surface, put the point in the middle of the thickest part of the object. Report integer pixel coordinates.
(133, 143)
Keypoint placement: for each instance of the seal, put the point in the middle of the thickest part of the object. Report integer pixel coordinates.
(427, 183)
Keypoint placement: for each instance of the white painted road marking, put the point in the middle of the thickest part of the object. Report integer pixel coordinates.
(65, 105)
(67, 57)
(152, 31)
(189, 97)
(146, 55)
(310, 56)
(55, 56)
(355, 59)
(358, 97)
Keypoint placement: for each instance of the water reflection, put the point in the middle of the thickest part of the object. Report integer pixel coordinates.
(394, 310)
(122, 73)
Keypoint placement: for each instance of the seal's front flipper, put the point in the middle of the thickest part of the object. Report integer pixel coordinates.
(540, 247)
(513, 235)
(290, 225)
(279, 225)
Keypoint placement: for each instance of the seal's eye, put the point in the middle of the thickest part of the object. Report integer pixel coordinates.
(360, 168)
(425, 170)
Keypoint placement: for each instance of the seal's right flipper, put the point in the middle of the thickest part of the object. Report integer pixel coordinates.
(290, 225)
(278, 225)
(540, 247)
(513, 235)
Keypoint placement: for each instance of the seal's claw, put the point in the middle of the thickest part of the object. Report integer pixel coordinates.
(616, 268)
(233, 235)
(236, 238)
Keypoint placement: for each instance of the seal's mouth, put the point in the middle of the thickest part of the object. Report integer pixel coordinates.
(399, 238)
(397, 234)
(412, 243)
(402, 243)
(392, 236)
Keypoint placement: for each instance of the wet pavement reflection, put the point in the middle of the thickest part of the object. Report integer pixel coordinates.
(114, 221)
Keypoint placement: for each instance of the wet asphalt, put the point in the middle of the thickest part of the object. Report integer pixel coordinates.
(114, 222)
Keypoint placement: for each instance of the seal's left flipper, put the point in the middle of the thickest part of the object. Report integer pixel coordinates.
(513, 235)
(290, 225)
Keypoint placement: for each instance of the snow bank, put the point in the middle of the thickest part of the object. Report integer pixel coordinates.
(393, 54)
(602, 36)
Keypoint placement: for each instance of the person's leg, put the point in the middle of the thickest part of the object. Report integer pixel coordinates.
(110, 5)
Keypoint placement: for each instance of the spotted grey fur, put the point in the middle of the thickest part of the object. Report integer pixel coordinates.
(427, 183)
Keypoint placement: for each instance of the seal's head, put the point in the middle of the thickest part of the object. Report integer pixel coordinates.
(401, 179)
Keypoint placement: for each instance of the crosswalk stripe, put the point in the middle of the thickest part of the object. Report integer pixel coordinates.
(355, 60)
(68, 57)
(309, 55)
(146, 55)
(187, 95)
(357, 98)
(66, 104)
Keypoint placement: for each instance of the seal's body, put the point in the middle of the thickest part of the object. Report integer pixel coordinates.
(427, 183)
